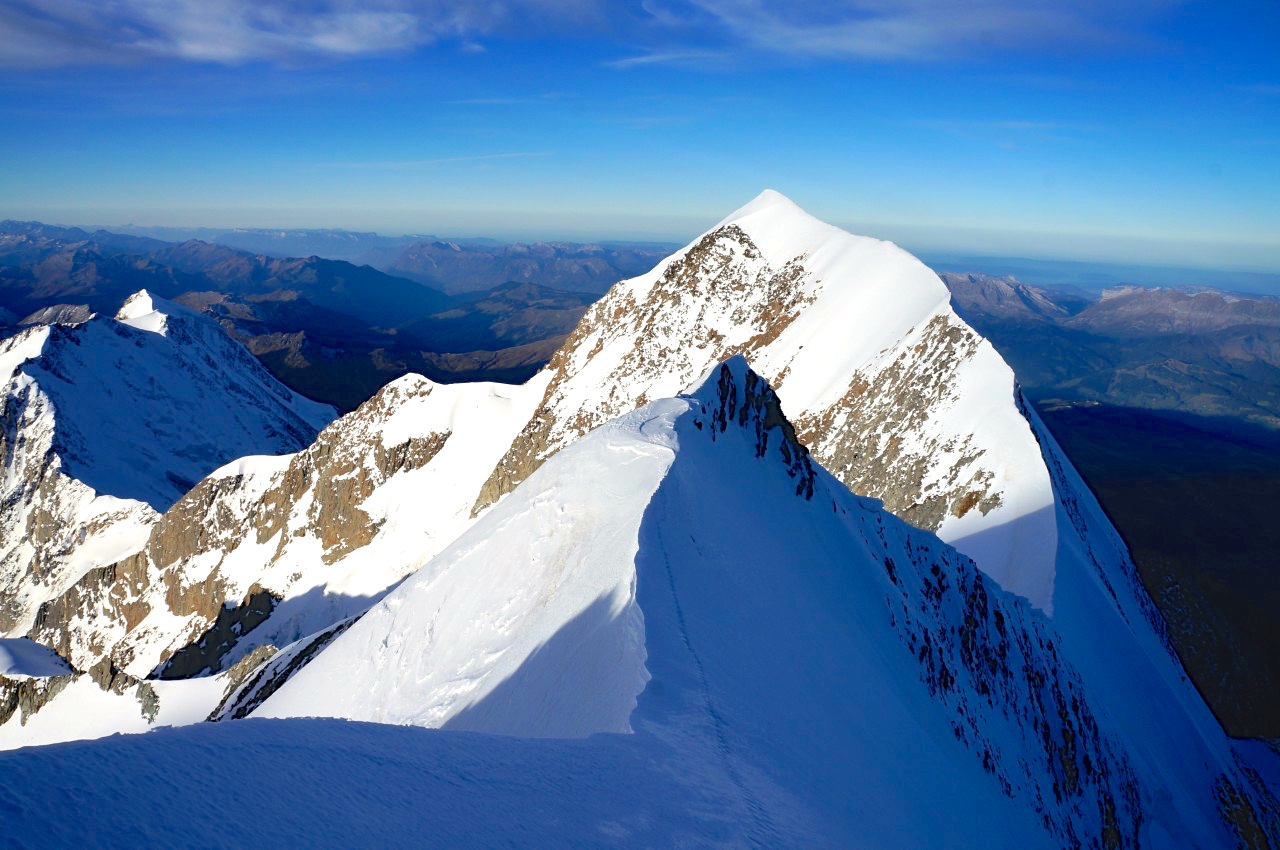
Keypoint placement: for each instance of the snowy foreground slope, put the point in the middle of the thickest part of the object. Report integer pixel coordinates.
(107, 422)
(797, 668)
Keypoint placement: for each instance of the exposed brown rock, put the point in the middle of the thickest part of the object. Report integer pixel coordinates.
(26, 697)
(857, 440)
(268, 676)
(723, 274)
(755, 406)
(207, 652)
(338, 472)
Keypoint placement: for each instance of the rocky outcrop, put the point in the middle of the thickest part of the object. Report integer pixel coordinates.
(261, 680)
(209, 649)
(183, 603)
(875, 441)
(59, 314)
(745, 399)
(999, 672)
(26, 697)
(717, 299)
(342, 469)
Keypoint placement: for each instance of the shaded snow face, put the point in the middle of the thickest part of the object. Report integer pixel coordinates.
(23, 659)
(146, 405)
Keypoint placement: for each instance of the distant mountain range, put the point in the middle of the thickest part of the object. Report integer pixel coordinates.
(466, 267)
(1194, 351)
(1095, 276)
(451, 265)
(329, 328)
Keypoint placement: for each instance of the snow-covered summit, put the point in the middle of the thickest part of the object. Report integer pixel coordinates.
(109, 421)
(148, 312)
(143, 410)
(888, 387)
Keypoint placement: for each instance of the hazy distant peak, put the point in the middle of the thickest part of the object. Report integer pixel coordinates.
(58, 314)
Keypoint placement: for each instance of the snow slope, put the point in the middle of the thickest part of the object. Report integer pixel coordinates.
(107, 422)
(845, 678)
(563, 553)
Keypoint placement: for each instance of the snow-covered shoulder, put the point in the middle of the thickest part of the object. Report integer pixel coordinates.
(150, 313)
(19, 348)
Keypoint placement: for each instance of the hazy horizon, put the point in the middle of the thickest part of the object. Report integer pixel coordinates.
(1142, 132)
(1092, 274)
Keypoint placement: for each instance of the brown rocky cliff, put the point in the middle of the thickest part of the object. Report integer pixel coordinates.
(105, 614)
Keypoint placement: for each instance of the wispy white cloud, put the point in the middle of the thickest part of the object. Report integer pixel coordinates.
(683, 58)
(680, 32)
(62, 32)
(409, 164)
(903, 30)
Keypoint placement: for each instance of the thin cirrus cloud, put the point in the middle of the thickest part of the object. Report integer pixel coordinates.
(895, 30)
(408, 164)
(72, 32)
(680, 32)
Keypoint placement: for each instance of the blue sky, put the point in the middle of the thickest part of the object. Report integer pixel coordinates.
(1144, 131)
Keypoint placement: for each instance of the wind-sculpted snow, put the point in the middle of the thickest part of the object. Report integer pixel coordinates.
(889, 389)
(106, 422)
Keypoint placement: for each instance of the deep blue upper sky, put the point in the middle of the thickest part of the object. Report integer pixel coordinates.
(1144, 131)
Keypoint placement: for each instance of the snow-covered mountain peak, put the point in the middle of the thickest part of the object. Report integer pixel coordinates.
(112, 421)
(151, 313)
(886, 385)
(767, 199)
